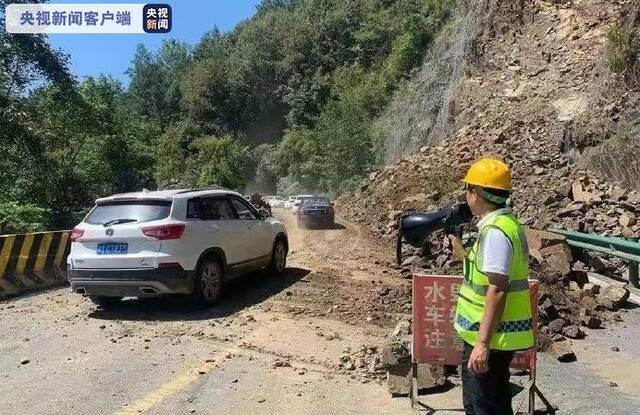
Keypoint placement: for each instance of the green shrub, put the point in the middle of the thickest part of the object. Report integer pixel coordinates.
(623, 53)
(22, 218)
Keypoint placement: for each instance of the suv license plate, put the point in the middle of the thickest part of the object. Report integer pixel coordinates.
(112, 249)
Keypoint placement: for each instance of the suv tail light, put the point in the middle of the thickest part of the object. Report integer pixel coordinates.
(164, 232)
(76, 234)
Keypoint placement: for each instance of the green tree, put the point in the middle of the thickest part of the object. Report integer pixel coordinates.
(217, 161)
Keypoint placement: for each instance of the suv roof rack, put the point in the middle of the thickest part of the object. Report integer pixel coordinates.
(201, 189)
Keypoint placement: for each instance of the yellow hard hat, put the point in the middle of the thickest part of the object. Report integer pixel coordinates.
(489, 173)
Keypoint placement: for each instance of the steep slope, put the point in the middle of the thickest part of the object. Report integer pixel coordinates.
(536, 90)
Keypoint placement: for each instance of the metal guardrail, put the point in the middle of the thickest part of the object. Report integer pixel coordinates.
(619, 247)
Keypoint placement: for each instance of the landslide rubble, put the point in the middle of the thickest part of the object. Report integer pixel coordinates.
(536, 92)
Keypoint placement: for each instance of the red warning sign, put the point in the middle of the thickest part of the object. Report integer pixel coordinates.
(434, 307)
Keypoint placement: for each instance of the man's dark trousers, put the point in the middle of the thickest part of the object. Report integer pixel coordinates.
(487, 393)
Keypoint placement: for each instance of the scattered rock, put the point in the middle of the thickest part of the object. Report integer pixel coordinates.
(573, 332)
(547, 310)
(627, 220)
(563, 352)
(556, 325)
(281, 363)
(598, 264)
(429, 376)
(591, 288)
(617, 294)
(573, 286)
(556, 259)
(591, 322)
(403, 328)
(588, 303)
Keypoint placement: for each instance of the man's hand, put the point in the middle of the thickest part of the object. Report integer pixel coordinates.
(479, 359)
(458, 248)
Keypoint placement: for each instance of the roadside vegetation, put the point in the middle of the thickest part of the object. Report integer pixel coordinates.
(623, 53)
(282, 103)
(616, 157)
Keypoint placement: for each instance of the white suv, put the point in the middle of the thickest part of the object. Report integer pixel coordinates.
(171, 242)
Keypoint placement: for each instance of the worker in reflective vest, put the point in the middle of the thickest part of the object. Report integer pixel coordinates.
(493, 314)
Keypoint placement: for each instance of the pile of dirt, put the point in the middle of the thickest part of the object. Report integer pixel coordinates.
(327, 293)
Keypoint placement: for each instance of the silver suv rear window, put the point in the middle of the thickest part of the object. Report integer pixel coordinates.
(137, 210)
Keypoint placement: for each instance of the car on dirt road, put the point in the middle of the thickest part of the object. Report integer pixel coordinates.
(297, 202)
(316, 212)
(152, 243)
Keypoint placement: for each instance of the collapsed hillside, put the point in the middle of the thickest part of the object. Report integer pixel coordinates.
(536, 91)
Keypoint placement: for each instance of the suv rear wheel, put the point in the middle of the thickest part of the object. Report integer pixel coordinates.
(278, 257)
(103, 301)
(209, 281)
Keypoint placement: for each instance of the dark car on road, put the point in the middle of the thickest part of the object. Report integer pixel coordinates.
(316, 212)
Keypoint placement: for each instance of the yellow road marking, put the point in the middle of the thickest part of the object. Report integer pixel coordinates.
(42, 253)
(24, 253)
(172, 387)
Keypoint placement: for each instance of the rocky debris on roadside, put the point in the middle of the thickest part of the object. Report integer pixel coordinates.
(532, 110)
(567, 300)
(365, 362)
(281, 363)
(395, 358)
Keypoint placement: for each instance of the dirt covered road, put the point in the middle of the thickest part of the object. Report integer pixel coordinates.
(303, 343)
(273, 345)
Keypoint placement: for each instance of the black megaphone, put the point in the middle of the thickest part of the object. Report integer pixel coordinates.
(416, 227)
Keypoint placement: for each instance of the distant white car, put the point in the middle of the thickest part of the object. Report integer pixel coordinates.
(288, 204)
(171, 242)
(276, 201)
(298, 202)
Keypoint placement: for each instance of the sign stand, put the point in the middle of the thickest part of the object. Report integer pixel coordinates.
(534, 390)
(435, 341)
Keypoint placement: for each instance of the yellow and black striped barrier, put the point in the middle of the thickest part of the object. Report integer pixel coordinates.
(32, 261)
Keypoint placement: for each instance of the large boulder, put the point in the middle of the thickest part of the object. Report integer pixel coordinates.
(614, 294)
(556, 260)
(396, 358)
(537, 240)
(429, 376)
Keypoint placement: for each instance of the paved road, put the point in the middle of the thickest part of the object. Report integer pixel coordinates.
(167, 357)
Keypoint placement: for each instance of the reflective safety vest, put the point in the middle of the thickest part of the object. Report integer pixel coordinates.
(515, 329)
